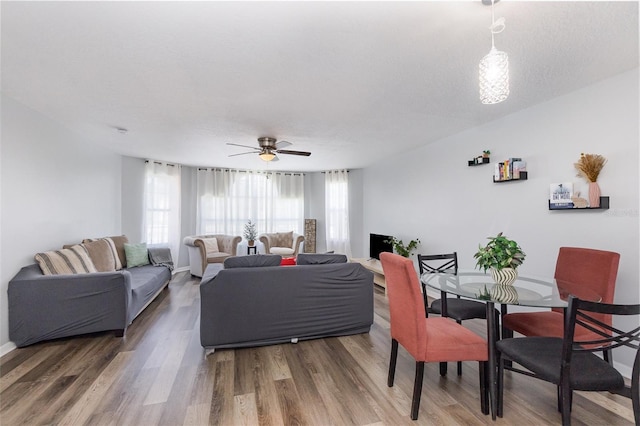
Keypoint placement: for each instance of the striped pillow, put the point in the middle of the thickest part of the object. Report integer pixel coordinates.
(74, 260)
(112, 246)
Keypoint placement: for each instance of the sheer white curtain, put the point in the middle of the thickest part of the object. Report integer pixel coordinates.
(336, 199)
(227, 199)
(161, 210)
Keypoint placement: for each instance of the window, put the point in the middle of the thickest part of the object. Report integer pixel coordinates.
(227, 199)
(161, 211)
(336, 187)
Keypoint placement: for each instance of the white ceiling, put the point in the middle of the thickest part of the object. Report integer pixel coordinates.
(352, 82)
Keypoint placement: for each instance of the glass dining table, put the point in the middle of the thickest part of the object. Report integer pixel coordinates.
(536, 292)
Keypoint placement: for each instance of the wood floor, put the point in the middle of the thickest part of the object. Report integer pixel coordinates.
(157, 375)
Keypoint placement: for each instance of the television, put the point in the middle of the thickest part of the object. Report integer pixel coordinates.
(379, 243)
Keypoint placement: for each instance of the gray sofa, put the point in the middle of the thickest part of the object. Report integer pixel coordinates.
(253, 301)
(44, 307)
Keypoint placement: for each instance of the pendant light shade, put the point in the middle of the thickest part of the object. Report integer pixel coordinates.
(494, 77)
(494, 68)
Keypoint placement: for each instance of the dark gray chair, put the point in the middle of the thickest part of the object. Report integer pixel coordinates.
(570, 362)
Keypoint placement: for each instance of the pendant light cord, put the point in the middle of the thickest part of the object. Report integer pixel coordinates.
(496, 26)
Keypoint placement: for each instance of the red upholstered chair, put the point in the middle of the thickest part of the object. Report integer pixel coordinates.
(593, 269)
(426, 339)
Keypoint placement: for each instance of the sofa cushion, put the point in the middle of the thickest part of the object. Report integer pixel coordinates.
(253, 261)
(282, 251)
(137, 254)
(320, 259)
(102, 255)
(74, 260)
(282, 239)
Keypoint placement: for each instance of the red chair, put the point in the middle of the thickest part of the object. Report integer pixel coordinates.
(426, 339)
(595, 270)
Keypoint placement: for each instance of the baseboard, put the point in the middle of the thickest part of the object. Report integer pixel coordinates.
(6, 348)
(182, 269)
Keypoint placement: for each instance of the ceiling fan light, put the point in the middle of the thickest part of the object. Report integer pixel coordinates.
(267, 156)
(494, 77)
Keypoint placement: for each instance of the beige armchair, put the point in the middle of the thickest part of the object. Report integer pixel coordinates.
(205, 249)
(286, 244)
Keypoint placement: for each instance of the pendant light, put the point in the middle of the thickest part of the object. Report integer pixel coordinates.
(494, 68)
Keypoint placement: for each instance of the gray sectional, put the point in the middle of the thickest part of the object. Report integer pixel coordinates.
(252, 301)
(44, 307)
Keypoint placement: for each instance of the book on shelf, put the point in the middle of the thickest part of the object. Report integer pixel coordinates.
(509, 169)
(561, 193)
(559, 206)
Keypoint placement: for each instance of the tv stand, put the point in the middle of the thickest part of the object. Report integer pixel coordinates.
(374, 266)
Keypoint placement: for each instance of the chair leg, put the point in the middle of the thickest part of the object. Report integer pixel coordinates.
(635, 387)
(500, 385)
(443, 369)
(484, 387)
(566, 405)
(459, 368)
(417, 390)
(392, 362)
(608, 356)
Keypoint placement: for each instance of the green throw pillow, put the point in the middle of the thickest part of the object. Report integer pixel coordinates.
(136, 254)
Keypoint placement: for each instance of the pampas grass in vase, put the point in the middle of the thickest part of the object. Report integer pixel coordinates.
(589, 167)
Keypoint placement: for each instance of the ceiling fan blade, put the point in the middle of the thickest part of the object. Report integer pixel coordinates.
(275, 159)
(283, 144)
(242, 153)
(244, 146)
(284, 151)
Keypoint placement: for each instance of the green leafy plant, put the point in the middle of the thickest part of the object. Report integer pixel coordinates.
(403, 250)
(486, 153)
(250, 232)
(499, 253)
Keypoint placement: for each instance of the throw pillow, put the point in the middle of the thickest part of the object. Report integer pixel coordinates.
(210, 246)
(116, 244)
(74, 260)
(137, 254)
(288, 261)
(283, 239)
(102, 255)
(119, 242)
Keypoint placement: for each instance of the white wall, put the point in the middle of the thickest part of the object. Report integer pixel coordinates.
(56, 189)
(432, 194)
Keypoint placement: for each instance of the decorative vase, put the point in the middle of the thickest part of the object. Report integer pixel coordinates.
(504, 276)
(251, 243)
(594, 195)
(504, 294)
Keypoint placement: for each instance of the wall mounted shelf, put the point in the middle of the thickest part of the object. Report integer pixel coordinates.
(473, 162)
(604, 205)
(523, 176)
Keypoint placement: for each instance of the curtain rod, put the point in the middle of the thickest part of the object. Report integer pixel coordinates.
(161, 163)
(251, 171)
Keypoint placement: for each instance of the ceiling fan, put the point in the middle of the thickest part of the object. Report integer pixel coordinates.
(268, 148)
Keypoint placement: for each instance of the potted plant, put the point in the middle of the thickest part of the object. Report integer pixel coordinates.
(250, 232)
(401, 249)
(486, 153)
(502, 257)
